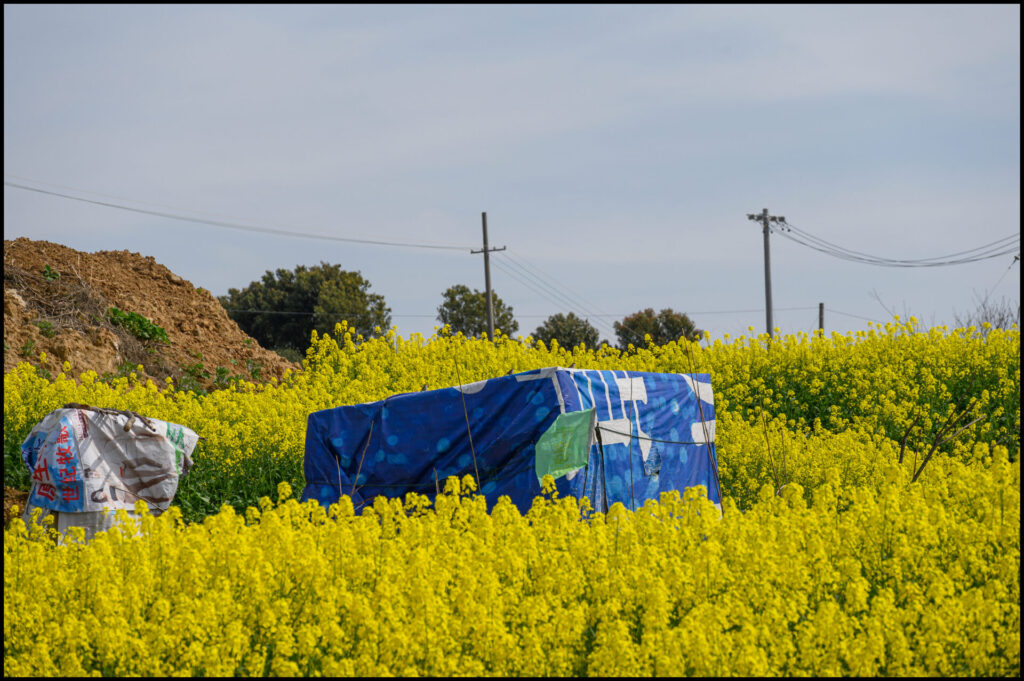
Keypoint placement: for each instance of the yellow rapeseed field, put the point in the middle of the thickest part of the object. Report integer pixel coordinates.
(829, 558)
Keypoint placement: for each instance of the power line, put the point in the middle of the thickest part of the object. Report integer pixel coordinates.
(702, 312)
(598, 315)
(1016, 259)
(528, 284)
(233, 225)
(857, 316)
(523, 264)
(564, 300)
(532, 316)
(1005, 246)
(605, 327)
(114, 197)
(587, 310)
(525, 282)
(758, 309)
(985, 253)
(999, 243)
(332, 312)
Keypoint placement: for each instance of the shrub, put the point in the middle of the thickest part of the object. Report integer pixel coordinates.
(137, 325)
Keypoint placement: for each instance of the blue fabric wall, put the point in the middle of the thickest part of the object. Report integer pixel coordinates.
(651, 427)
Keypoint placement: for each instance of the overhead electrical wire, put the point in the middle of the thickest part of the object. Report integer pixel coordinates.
(112, 197)
(1017, 258)
(585, 312)
(599, 315)
(999, 243)
(605, 328)
(588, 310)
(1003, 246)
(847, 314)
(393, 314)
(522, 275)
(554, 289)
(531, 276)
(587, 306)
(231, 310)
(238, 226)
(755, 309)
(530, 285)
(1007, 245)
(573, 304)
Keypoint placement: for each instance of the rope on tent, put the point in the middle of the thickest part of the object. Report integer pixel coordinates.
(337, 465)
(586, 470)
(468, 431)
(604, 472)
(648, 439)
(507, 472)
(365, 447)
(704, 426)
(632, 405)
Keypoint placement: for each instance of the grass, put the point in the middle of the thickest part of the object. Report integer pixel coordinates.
(210, 485)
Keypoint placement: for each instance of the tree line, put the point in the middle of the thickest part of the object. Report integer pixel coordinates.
(282, 308)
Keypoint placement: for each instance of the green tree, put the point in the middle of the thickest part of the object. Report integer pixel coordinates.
(466, 311)
(667, 325)
(569, 330)
(284, 307)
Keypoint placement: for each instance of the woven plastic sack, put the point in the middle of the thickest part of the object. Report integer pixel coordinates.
(89, 461)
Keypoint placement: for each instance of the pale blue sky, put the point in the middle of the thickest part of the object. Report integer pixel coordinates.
(616, 149)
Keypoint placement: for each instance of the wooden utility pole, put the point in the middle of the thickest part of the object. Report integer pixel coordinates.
(764, 219)
(821, 317)
(487, 279)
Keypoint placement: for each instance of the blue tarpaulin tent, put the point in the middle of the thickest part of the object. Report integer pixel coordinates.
(650, 433)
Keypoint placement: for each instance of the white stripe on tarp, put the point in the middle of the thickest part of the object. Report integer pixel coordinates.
(470, 388)
(607, 393)
(572, 379)
(558, 392)
(546, 372)
(698, 430)
(622, 398)
(701, 390)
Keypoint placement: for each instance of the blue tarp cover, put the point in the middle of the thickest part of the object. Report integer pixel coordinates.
(655, 433)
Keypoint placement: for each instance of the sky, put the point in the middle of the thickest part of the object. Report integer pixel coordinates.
(617, 151)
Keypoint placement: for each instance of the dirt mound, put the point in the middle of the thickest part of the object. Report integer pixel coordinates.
(56, 301)
(13, 497)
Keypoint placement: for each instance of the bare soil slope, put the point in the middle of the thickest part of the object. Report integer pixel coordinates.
(66, 317)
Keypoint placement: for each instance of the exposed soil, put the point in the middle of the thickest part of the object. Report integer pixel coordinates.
(66, 318)
(11, 497)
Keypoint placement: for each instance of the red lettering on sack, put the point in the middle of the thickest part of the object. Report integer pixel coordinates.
(64, 455)
(48, 492)
(40, 472)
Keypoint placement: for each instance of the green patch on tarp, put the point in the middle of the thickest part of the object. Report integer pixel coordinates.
(565, 446)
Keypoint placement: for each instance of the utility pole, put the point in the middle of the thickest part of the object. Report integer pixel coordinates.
(487, 279)
(821, 317)
(764, 219)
